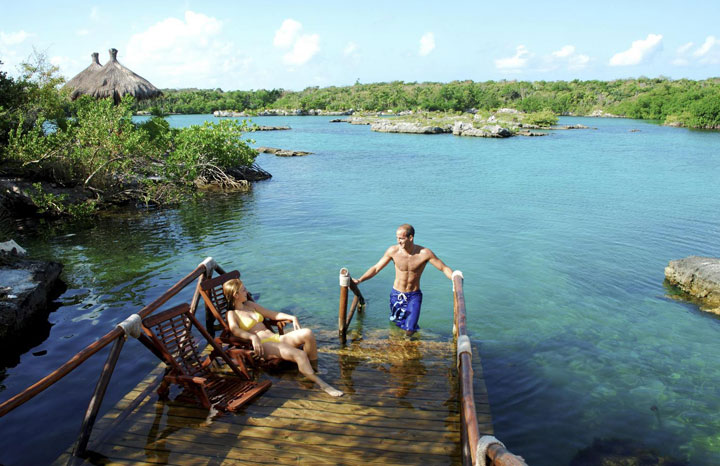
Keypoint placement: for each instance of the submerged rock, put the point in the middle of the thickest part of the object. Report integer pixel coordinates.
(621, 452)
(699, 277)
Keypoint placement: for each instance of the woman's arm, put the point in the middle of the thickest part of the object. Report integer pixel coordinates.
(274, 315)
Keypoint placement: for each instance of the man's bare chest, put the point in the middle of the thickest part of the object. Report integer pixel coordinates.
(409, 262)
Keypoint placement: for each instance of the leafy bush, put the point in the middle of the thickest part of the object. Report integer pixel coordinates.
(205, 151)
(544, 118)
(103, 151)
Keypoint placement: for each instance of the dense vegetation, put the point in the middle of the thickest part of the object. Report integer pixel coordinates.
(683, 102)
(95, 148)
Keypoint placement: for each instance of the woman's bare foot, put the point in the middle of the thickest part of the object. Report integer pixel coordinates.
(332, 391)
(329, 389)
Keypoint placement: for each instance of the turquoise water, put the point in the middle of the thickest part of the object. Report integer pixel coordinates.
(562, 240)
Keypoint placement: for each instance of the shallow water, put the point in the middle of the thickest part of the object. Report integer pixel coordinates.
(562, 240)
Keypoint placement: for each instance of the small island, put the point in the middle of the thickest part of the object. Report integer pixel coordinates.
(502, 123)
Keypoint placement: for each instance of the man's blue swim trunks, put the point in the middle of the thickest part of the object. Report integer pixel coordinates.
(405, 309)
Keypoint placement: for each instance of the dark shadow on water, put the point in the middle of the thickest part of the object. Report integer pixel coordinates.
(34, 333)
(621, 452)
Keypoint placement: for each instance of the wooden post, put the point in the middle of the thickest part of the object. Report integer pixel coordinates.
(342, 311)
(196, 297)
(97, 397)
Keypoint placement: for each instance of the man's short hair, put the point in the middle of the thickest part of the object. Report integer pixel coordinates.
(409, 230)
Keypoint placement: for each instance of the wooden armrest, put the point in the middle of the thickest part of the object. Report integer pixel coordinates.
(280, 324)
(193, 379)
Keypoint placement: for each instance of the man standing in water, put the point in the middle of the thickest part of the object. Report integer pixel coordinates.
(410, 260)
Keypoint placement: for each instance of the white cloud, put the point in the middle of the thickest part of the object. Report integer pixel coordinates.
(427, 44)
(639, 51)
(183, 52)
(684, 48)
(566, 56)
(13, 38)
(564, 52)
(14, 48)
(709, 51)
(304, 46)
(285, 36)
(516, 62)
(62, 62)
(707, 54)
(82, 32)
(350, 48)
(681, 55)
(95, 14)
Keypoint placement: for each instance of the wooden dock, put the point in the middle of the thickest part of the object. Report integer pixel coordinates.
(401, 406)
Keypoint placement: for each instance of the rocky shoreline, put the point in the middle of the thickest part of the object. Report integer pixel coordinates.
(280, 112)
(28, 287)
(17, 190)
(699, 277)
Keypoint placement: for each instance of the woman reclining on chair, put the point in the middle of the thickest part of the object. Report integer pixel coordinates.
(245, 319)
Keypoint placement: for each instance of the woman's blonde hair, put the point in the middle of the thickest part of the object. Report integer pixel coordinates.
(231, 287)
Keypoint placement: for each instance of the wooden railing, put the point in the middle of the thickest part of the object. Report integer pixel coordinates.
(473, 446)
(358, 302)
(131, 326)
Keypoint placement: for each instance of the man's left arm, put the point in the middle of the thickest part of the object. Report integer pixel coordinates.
(440, 265)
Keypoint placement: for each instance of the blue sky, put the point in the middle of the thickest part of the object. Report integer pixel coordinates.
(293, 44)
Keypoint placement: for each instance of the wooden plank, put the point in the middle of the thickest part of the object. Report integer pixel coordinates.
(243, 446)
(166, 456)
(400, 407)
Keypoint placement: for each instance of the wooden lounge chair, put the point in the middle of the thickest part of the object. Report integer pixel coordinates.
(239, 349)
(171, 333)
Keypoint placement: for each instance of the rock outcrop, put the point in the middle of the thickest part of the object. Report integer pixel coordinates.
(26, 289)
(17, 194)
(699, 277)
(487, 131)
(602, 114)
(271, 128)
(282, 152)
(390, 126)
(229, 113)
(302, 112)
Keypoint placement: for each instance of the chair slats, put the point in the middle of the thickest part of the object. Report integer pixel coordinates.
(171, 332)
(240, 349)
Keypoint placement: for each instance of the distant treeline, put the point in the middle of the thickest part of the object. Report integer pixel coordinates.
(681, 102)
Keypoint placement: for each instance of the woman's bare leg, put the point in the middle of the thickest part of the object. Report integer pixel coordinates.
(290, 353)
(302, 337)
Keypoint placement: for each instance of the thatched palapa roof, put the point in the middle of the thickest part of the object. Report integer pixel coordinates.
(111, 80)
(76, 83)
